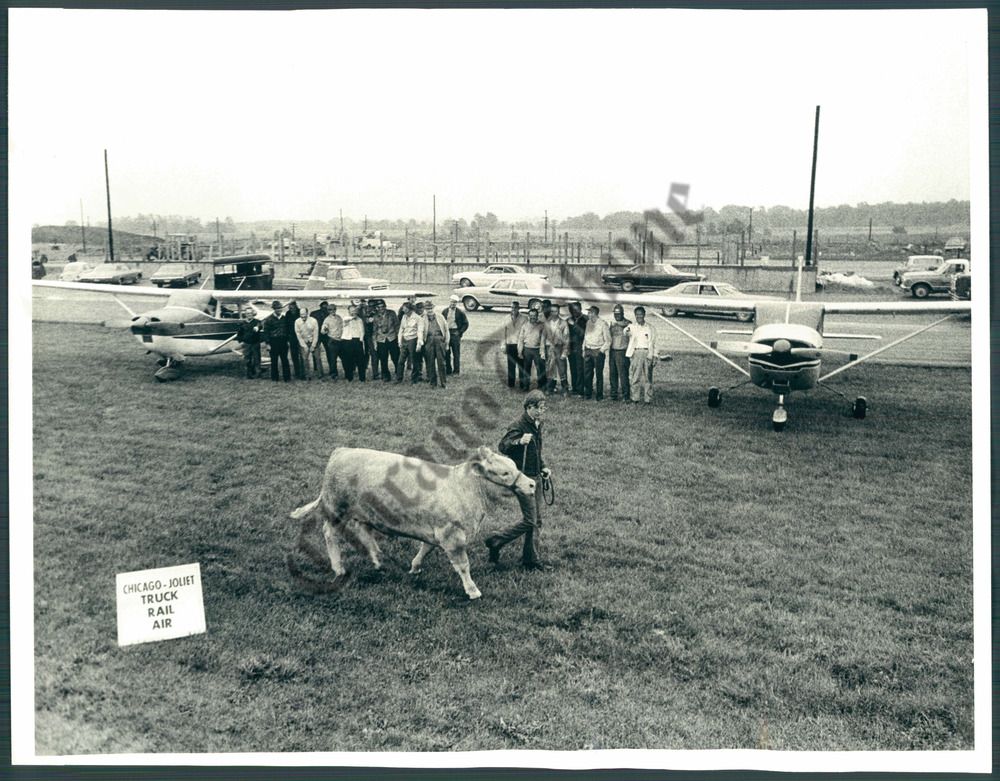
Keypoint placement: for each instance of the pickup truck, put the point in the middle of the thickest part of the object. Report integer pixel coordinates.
(961, 287)
(936, 281)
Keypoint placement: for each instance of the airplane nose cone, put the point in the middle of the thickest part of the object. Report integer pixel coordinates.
(781, 346)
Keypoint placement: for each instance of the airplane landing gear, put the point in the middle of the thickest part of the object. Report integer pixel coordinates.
(860, 408)
(780, 416)
(168, 371)
(714, 397)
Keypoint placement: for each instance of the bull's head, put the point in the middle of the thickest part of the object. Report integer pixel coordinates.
(500, 470)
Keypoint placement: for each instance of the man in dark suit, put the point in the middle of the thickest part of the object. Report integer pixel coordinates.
(293, 342)
(577, 325)
(276, 336)
(458, 324)
(523, 445)
(248, 335)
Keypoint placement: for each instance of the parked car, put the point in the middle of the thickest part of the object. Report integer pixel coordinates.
(487, 276)
(486, 297)
(348, 277)
(702, 290)
(652, 276)
(934, 282)
(71, 271)
(961, 286)
(176, 275)
(916, 263)
(112, 274)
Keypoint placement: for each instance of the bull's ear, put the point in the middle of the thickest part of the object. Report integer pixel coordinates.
(483, 452)
(477, 466)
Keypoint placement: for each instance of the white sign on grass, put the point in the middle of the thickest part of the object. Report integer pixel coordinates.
(159, 604)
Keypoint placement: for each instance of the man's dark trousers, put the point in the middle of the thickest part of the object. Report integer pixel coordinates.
(576, 370)
(434, 352)
(513, 361)
(251, 356)
(593, 363)
(618, 369)
(532, 355)
(332, 354)
(386, 349)
(408, 353)
(279, 350)
(454, 357)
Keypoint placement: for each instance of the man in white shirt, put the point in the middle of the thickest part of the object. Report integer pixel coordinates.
(596, 343)
(640, 351)
(333, 330)
(352, 345)
(307, 334)
(411, 342)
(531, 346)
(511, 331)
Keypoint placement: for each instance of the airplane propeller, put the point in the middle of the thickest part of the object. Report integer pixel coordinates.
(781, 347)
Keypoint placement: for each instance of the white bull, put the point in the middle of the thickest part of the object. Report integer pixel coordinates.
(441, 506)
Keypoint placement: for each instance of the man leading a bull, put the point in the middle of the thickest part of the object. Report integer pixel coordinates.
(523, 444)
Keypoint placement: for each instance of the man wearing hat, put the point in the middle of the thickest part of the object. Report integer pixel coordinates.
(458, 324)
(276, 335)
(435, 334)
(523, 445)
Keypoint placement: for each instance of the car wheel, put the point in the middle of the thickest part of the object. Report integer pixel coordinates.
(465, 282)
(860, 408)
(628, 287)
(714, 397)
(670, 311)
(921, 291)
(470, 304)
(158, 284)
(744, 317)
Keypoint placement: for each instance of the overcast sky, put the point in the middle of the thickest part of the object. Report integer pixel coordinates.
(256, 115)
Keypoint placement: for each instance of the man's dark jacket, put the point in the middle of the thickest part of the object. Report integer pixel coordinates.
(246, 333)
(274, 329)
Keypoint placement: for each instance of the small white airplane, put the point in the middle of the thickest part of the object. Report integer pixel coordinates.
(786, 346)
(193, 323)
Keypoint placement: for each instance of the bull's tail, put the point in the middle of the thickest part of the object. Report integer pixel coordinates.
(300, 513)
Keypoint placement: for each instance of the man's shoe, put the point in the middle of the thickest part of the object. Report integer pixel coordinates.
(494, 550)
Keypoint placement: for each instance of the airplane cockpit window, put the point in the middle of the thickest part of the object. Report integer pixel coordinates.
(210, 306)
(229, 311)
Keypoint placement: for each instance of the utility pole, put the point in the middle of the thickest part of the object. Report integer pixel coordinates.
(107, 189)
(812, 192)
(750, 231)
(434, 219)
(366, 224)
(218, 234)
(546, 226)
(870, 229)
(83, 232)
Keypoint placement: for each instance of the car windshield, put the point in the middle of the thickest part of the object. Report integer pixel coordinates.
(171, 268)
(726, 290)
(669, 269)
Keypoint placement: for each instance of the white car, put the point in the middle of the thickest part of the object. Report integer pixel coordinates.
(702, 290)
(73, 271)
(487, 276)
(486, 297)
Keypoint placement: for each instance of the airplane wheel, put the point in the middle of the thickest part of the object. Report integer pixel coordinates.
(860, 408)
(714, 397)
(167, 374)
(778, 425)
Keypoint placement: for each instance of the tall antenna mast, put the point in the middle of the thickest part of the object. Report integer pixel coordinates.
(107, 188)
(812, 193)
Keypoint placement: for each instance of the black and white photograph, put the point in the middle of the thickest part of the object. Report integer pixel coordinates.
(500, 387)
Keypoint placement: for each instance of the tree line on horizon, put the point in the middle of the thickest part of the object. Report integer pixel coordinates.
(730, 219)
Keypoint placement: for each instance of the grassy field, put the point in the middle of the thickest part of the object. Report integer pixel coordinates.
(716, 585)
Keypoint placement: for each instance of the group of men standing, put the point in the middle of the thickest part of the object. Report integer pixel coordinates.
(568, 355)
(370, 335)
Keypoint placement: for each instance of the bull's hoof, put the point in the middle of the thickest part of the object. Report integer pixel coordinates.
(416, 570)
(476, 594)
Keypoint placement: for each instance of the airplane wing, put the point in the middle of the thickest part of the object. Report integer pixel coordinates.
(897, 307)
(599, 296)
(237, 296)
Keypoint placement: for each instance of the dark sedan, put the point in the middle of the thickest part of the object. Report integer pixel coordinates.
(653, 276)
(176, 275)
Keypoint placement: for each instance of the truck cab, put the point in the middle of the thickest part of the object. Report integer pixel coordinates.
(936, 281)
